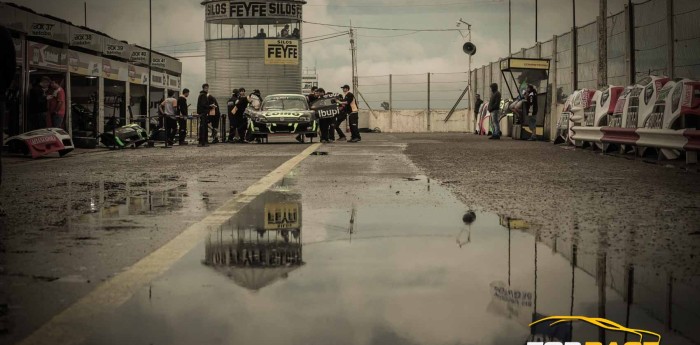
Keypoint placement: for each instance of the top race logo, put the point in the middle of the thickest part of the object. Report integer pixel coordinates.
(602, 323)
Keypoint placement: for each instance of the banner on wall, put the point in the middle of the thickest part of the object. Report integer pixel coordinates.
(281, 52)
(158, 79)
(49, 57)
(84, 64)
(138, 75)
(114, 70)
(262, 11)
(173, 82)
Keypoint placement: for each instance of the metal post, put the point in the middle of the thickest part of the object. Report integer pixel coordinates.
(536, 17)
(391, 102)
(85, 12)
(150, 61)
(510, 31)
(629, 51)
(670, 40)
(428, 117)
(603, 44)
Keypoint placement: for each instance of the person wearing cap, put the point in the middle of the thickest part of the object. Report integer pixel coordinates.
(494, 107)
(350, 104)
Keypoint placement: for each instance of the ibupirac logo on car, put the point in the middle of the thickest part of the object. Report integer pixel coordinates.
(551, 336)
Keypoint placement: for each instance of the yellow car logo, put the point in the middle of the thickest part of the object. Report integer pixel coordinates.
(603, 323)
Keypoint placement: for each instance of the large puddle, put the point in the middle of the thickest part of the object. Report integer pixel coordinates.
(390, 272)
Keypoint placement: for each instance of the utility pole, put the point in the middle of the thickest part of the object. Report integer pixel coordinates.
(603, 43)
(536, 17)
(353, 48)
(150, 60)
(510, 31)
(85, 12)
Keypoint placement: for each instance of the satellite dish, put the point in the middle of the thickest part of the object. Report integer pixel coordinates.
(469, 48)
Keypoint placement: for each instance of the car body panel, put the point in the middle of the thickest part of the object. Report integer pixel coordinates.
(41, 142)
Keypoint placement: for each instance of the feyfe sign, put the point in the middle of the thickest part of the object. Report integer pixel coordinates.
(281, 52)
(235, 10)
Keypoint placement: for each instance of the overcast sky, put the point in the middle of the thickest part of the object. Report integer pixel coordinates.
(176, 22)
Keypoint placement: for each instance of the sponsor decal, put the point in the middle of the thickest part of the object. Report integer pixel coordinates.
(42, 140)
(544, 336)
(281, 52)
(687, 96)
(328, 112)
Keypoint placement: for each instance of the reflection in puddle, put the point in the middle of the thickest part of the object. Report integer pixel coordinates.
(262, 244)
(388, 271)
(115, 201)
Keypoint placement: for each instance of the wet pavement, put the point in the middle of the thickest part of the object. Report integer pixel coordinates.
(360, 244)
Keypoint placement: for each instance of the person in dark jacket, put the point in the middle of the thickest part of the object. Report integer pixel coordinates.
(477, 106)
(182, 116)
(239, 118)
(203, 109)
(494, 107)
(531, 110)
(214, 119)
(229, 113)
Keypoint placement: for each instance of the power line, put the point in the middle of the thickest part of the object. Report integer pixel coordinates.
(326, 38)
(381, 29)
(464, 3)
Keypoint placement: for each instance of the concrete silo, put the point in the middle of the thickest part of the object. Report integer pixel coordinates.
(253, 44)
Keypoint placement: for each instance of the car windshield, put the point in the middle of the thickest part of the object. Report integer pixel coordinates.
(284, 104)
(323, 102)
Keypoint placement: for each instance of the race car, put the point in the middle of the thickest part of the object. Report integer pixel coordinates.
(41, 142)
(282, 114)
(131, 135)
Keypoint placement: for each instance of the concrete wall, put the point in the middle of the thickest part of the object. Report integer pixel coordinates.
(416, 121)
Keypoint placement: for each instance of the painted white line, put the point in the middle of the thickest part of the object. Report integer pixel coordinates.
(73, 325)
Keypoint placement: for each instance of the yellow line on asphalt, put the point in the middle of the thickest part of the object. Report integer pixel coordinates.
(72, 326)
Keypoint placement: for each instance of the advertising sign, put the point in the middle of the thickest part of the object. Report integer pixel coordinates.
(114, 70)
(173, 82)
(282, 216)
(45, 56)
(86, 39)
(138, 75)
(116, 48)
(281, 52)
(13, 18)
(539, 64)
(40, 26)
(262, 11)
(158, 61)
(158, 79)
(138, 55)
(84, 64)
